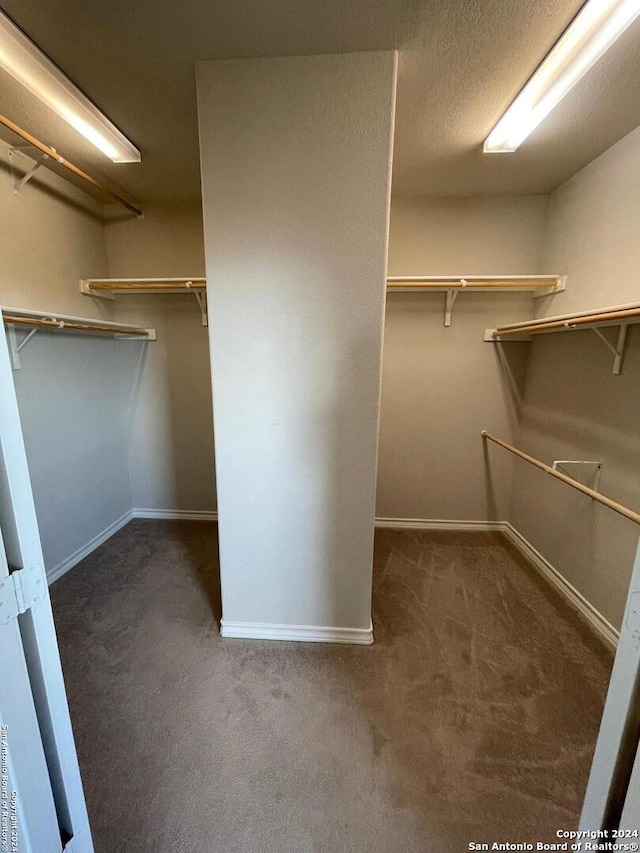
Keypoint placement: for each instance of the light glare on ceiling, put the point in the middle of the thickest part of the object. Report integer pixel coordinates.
(588, 37)
(21, 58)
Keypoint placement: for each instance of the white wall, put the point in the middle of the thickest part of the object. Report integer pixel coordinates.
(442, 386)
(574, 407)
(171, 450)
(296, 174)
(422, 438)
(74, 392)
(592, 232)
(75, 396)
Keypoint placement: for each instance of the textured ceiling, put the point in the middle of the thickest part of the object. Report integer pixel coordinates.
(461, 63)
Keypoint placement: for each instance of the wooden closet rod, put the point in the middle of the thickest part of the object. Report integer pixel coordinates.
(151, 285)
(51, 152)
(71, 324)
(616, 507)
(569, 322)
(470, 284)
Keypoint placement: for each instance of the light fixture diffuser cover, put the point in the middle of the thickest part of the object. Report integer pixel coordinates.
(21, 58)
(591, 33)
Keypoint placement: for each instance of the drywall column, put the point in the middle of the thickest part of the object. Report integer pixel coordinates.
(296, 157)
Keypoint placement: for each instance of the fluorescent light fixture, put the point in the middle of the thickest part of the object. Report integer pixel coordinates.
(591, 33)
(21, 58)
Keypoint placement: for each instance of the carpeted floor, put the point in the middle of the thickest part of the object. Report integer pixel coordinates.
(472, 717)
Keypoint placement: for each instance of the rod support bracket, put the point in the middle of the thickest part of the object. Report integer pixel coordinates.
(491, 337)
(20, 180)
(559, 287)
(202, 302)
(150, 335)
(15, 346)
(594, 465)
(618, 350)
(85, 287)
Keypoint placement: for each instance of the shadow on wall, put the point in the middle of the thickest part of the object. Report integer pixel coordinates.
(21, 165)
(511, 364)
(441, 388)
(575, 408)
(188, 368)
(172, 448)
(75, 394)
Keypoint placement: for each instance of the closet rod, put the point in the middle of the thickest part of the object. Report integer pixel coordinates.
(148, 285)
(616, 507)
(52, 323)
(51, 152)
(568, 322)
(462, 283)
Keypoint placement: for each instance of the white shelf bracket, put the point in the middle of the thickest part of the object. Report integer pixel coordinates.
(559, 287)
(450, 301)
(202, 302)
(20, 181)
(15, 346)
(618, 350)
(151, 335)
(596, 470)
(491, 338)
(85, 288)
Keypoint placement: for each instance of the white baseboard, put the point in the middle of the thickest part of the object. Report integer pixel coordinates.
(296, 633)
(176, 514)
(358, 636)
(438, 524)
(597, 621)
(71, 561)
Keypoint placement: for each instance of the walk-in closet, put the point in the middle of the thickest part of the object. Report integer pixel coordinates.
(319, 443)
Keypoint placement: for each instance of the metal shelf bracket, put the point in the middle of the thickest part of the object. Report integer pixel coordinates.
(15, 346)
(18, 181)
(450, 301)
(595, 472)
(202, 302)
(618, 350)
(559, 287)
(490, 337)
(99, 294)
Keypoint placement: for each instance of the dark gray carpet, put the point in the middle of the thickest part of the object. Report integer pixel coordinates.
(472, 718)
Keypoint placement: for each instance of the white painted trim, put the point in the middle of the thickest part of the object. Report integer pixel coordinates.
(358, 636)
(439, 524)
(37, 629)
(79, 555)
(72, 560)
(595, 619)
(176, 514)
(296, 633)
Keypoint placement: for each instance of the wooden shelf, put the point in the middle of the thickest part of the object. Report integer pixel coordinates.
(541, 284)
(55, 322)
(104, 287)
(597, 318)
(452, 285)
(107, 288)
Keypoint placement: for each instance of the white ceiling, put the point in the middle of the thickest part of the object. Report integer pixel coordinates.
(461, 63)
